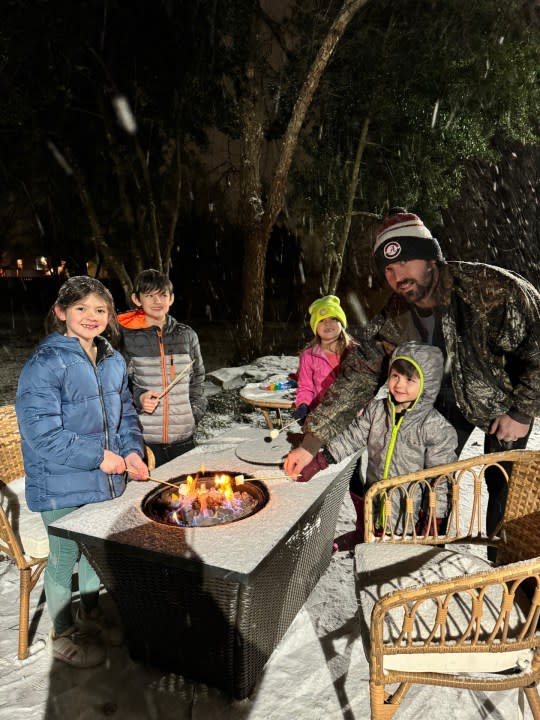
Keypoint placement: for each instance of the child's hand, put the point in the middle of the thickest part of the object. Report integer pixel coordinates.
(136, 467)
(112, 463)
(301, 411)
(296, 461)
(312, 468)
(149, 401)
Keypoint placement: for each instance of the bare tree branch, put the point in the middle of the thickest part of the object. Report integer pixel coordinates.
(340, 249)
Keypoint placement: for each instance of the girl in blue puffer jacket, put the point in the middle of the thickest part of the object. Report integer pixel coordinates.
(80, 438)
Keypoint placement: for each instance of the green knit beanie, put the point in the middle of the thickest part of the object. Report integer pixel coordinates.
(325, 307)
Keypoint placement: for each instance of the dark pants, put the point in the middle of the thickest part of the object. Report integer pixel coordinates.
(356, 483)
(163, 452)
(495, 482)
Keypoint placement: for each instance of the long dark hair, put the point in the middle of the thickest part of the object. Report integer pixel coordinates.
(344, 342)
(74, 290)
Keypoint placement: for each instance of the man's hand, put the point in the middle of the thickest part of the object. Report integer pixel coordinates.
(296, 461)
(508, 430)
(149, 401)
(136, 467)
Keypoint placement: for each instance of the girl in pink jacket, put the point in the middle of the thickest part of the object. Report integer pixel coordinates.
(319, 362)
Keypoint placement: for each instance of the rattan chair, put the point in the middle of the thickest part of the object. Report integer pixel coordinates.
(445, 615)
(150, 458)
(25, 543)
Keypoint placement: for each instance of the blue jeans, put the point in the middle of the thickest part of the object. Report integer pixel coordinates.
(63, 557)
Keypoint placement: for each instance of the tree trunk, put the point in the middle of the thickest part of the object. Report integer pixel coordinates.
(256, 243)
(113, 264)
(251, 323)
(339, 252)
(174, 209)
(251, 212)
(153, 240)
(329, 253)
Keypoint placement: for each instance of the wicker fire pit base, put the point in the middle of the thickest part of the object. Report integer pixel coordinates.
(188, 612)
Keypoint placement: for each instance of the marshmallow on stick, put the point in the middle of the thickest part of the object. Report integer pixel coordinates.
(275, 432)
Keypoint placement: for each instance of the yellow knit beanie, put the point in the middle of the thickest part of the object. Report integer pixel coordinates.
(325, 307)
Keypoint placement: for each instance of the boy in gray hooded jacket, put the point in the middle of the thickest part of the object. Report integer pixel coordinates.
(402, 432)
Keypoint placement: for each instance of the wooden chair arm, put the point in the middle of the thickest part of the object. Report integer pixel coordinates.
(425, 489)
(150, 458)
(488, 628)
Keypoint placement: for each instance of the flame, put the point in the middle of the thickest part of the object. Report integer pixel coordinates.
(203, 499)
(224, 485)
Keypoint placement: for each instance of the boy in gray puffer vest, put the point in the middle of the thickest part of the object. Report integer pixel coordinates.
(402, 432)
(160, 351)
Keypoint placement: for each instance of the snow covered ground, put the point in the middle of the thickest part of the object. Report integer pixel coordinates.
(318, 670)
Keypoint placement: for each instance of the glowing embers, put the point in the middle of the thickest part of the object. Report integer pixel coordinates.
(205, 499)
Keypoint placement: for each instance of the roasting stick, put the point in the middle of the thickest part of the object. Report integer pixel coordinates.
(155, 479)
(275, 432)
(163, 482)
(240, 478)
(176, 380)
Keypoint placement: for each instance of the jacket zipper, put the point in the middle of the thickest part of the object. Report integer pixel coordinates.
(388, 459)
(165, 382)
(105, 426)
(395, 427)
(393, 437)
(395, 430)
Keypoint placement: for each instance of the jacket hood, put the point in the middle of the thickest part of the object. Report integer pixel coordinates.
(429, 360)
(63, 342)
(136, 320)
(133, 319)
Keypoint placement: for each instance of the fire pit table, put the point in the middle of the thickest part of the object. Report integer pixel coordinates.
(212, 603)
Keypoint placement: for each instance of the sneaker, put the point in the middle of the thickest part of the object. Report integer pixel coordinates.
(71, 648)
(95, 624)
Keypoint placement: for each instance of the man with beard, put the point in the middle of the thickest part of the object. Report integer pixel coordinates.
(486, 321)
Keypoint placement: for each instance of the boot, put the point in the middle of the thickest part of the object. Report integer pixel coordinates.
(349, 540)
(358, 502)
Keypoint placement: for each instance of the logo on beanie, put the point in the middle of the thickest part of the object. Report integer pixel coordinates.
(392, 250)
(323, 311)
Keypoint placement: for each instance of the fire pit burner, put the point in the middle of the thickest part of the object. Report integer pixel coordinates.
(205, 499)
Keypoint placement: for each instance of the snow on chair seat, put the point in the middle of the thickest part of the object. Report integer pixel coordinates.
(27, 525)
(22, 534)
(384, 570)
